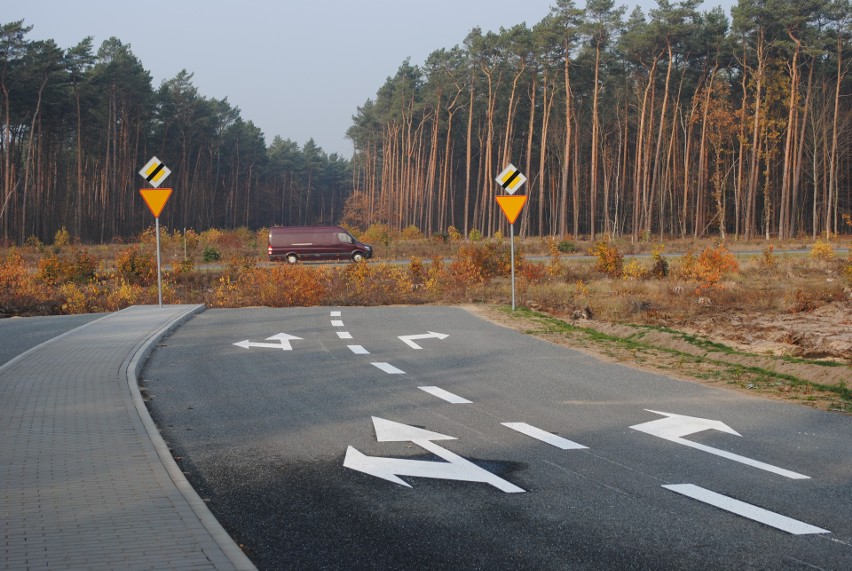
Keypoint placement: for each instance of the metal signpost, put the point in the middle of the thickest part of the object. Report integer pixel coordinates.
(155, 172)
(510, 180)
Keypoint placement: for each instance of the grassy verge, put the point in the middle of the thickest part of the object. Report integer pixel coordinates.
(660, 356)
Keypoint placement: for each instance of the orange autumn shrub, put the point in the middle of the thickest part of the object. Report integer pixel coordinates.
(711, 266)
(275, 286)
(20, 292)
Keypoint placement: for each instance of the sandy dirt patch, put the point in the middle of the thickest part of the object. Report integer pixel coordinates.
(757, 353)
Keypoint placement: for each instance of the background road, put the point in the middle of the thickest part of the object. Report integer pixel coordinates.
(21, 334)
(263, 433)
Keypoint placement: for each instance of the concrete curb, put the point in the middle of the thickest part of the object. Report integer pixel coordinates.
(131, 367)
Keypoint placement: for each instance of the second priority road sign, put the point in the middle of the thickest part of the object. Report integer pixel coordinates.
(511, 179)
(155, 172)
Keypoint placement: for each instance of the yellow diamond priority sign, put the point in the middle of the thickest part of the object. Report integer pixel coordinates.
(155, 172)
(512, 206)
(511, 179)
(156, 199)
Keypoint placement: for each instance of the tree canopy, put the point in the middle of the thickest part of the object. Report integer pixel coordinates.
(77, 125)
(678, 122)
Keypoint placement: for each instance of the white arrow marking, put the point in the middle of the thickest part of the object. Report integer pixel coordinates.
(282, 338)
(455, 467)
(546, 437)
(409, 339)
(445, 395)
(675, 426)
(390, 431)
(745, 510)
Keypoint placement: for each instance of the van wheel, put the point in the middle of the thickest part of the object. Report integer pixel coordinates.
(357, 257)
(292, 259)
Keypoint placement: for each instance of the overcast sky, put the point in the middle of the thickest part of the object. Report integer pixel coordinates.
(296, 69)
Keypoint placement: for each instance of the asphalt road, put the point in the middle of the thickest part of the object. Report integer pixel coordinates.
(263, 434)
(19, 334)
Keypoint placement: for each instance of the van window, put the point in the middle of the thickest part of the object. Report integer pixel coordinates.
(345, 238)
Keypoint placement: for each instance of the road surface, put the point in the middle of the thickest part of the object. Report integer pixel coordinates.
(425, 437)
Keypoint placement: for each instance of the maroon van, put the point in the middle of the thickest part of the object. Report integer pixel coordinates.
(294, 243)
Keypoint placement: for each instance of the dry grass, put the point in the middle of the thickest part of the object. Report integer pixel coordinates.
(738, 308)
(705, 278)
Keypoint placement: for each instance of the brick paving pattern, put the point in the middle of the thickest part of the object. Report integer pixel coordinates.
(81, 484)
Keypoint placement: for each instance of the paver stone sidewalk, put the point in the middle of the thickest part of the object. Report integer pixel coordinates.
(83, 482)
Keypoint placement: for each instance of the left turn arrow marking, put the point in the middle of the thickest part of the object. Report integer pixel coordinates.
(282, 338)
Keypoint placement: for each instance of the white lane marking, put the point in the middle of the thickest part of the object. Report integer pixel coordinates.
(344, 335)
(388, 368)
(545, 437)
(335, 314)
(675, 426)
(445, 395)
(745, 510)
(336, 323)
(358, 350)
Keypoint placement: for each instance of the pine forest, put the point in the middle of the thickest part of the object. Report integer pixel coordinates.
(678, 122)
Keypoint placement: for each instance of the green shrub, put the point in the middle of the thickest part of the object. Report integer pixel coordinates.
(211, 254)
(441, 237)
(566, 247)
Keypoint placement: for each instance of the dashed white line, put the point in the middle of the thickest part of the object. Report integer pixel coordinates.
(344, 335)
(358, 350)
(336, 323)
(388, 368)
(335, 314)
(745, 510)
(445, 395)
(545, 437)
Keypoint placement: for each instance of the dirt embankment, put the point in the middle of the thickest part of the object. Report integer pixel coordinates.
(825, 332)
(805, 356)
